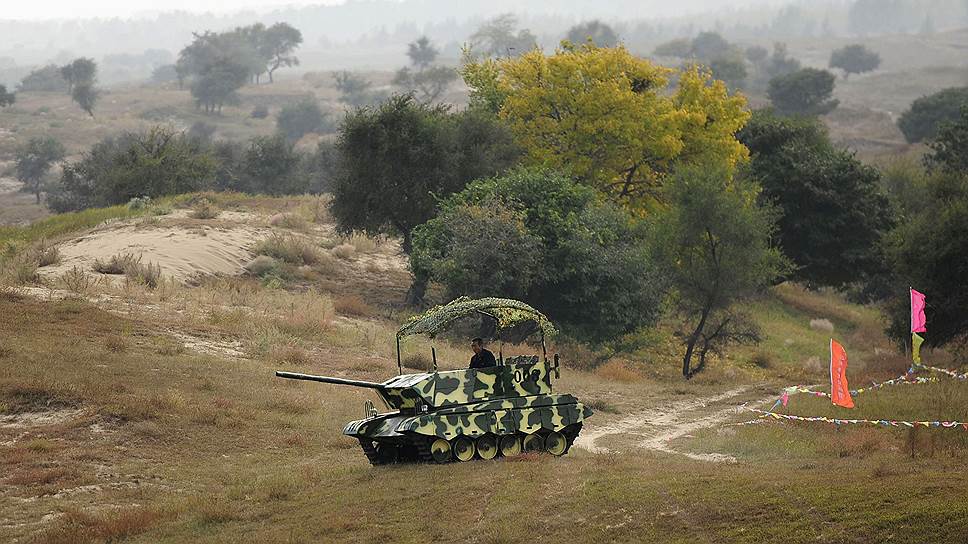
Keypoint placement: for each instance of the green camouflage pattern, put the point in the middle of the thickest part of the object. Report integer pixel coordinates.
(500, 400)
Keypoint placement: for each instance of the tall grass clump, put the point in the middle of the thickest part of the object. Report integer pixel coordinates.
(288, 248)
(147, 274)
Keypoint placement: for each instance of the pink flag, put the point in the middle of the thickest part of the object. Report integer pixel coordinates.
(917, 312)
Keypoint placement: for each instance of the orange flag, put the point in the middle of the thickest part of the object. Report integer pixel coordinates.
(839, 392)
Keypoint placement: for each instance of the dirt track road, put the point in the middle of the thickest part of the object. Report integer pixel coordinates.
(659, 427)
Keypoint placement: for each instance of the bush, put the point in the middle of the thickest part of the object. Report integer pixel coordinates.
(921, 121)
(117, 264)
(804, 92)
(262, 266)
(549, 241)
(155, 163)
(78, 281)
(204, 209)
(288, 248)
(297, 120)
(344, 251)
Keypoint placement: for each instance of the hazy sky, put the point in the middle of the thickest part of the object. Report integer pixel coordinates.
(70, 9)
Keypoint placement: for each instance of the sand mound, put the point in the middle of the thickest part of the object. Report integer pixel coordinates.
(182, 249)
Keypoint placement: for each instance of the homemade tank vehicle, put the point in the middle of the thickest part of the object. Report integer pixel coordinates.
(440, 416)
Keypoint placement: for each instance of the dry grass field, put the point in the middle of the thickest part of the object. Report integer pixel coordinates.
(138, 414)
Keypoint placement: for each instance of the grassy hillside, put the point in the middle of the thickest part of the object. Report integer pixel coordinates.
(151, 415)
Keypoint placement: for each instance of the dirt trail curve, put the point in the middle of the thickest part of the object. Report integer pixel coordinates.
(660, 426)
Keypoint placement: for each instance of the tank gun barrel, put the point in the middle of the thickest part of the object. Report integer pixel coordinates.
(327, 379)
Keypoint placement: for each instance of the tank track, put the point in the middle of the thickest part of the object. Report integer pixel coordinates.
(419, 451)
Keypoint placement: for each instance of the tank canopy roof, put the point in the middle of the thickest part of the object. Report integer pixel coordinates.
(507, 312)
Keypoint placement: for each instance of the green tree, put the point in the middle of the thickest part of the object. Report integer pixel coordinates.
(86, 96)
(921, 121)
(497, 38)
(276, 44)
(854, 59)
(34, 160)
(426, 84)
(680, 48)
(398, 158)
(780, 63)
(6, 98)
(422, 53)
(709, 45)
(217, 84)
(541, 237)
(714, 241)
(596, 31)
(949, 149)
(354, 89)
(929, 251)
(731, 70)
(297, 120)
(47, 78)
(153, 163)
(270, 165)
(834, 215)
(804, 92)
(80, 71)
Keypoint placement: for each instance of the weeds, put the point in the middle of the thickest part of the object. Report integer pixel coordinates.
(78, 281)
(353, 305)
(116, 265)
(147, 274)
(204, 209)
(288, 248)
(289, 221)
(345, 252)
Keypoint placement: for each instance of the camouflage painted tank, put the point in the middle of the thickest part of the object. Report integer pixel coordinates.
(440, 416)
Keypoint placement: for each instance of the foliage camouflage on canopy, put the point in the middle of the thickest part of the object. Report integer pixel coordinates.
(507, 312)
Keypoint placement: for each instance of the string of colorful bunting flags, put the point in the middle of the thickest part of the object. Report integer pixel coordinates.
(842, 396)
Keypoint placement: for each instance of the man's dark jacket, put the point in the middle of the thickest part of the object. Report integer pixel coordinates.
(483, 359)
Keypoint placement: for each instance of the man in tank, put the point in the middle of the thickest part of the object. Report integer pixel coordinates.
(482, 357)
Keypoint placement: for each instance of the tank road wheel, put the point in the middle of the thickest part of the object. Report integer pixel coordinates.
(440, 450)
(533, 442)
(487, 447)
(463, 448)
(510, 445)
(556, 444)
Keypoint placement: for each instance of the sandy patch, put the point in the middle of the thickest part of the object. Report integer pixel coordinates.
(38, 419)
(182, 251)
(660, 426)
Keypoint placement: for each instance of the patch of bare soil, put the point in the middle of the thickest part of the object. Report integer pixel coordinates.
(184, 249)
(659, 427)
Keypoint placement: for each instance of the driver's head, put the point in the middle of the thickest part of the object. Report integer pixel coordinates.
(477, 345)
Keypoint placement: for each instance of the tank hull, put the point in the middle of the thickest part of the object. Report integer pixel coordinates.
(407, 436)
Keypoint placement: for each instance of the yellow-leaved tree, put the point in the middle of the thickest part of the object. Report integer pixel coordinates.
(609, 118)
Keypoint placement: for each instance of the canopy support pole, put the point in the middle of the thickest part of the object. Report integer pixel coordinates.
(399, 363)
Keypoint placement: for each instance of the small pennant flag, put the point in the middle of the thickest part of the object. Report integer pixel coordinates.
(839, 390)
(917, 312)
(916, 342)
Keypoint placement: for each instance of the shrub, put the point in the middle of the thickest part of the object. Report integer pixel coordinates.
(921, 121)
(78, 281)
(117, 264)
(204, 209)
(297, 120)
(290, 221)
(344, 251)
(288, 248)
(45, 255)
(549, 241)
(147, 274)
(139, 203)
(154, 163)
(262, 266)
(22, 270)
